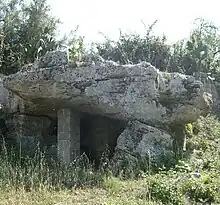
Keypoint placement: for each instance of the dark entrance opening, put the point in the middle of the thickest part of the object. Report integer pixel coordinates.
(99, 134)
(50, 139)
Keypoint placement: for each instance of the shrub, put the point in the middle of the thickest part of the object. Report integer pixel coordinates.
(203, 189)
(204, 144)
(165, 189)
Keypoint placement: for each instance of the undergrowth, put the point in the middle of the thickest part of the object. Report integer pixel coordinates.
(194, 179)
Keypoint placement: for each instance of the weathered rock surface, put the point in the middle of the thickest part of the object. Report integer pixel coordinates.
(27, 131)
(129, 92)
(139, 94)
(143, 140)
(4, 94)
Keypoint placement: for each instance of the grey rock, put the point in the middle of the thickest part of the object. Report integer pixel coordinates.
(27, 130)
(144, 141)
(4, 93)
(53, 58)
(128, 92)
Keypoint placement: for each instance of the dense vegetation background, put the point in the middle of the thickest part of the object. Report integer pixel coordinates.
(28, 31)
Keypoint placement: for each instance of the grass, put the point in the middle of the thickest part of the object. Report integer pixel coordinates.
(25, 180)
(127, 192)
(35, 180)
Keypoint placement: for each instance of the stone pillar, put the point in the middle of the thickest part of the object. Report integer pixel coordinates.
(179, 138)
(68, 136)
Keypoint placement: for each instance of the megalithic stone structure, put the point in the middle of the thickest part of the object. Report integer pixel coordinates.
(68, 136)
(148, 100)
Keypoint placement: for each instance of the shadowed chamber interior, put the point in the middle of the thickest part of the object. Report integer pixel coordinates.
(97, 135)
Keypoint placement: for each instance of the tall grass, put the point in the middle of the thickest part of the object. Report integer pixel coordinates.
(168, 186)
(30, 173)
(33, 172)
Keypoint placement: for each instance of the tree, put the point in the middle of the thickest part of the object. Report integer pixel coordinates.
(134, 48)
(202, 49)
(27, 31)
(199, 53)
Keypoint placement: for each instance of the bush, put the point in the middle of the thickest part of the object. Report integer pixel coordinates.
(203, 189)
(176, 188)
(204, 144)
(165, 189)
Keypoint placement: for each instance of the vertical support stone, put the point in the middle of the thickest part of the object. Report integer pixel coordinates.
(179, 138)
(26, 130)
(31, 131)
(68, 136)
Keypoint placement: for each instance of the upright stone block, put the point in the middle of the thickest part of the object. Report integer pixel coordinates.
(27, 130)
(68, 136)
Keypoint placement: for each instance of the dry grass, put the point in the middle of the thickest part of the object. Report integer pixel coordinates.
(113, 192)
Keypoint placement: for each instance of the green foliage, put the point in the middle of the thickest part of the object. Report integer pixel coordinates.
(189, 128)
(202, 48)
(39, 30)
(204, 189)
(176, 188)
(27, 31)
(203, 146)
(112, 185)
(164, 189)
(198, 53)
(206, 134)
(195, 177)
(134, 48)
(76, 48)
